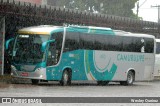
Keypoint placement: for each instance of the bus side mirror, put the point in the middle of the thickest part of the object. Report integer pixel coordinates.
(8, 42)
(44, 44)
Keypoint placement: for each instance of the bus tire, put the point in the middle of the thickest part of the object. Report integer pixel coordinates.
(35, 81)
(103, 83)
(66, 78)
(130, 79)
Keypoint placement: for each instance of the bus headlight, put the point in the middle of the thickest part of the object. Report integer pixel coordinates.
(38, 69)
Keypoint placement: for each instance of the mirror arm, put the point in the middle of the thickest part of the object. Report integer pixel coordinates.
(45, 43)
(7, 43)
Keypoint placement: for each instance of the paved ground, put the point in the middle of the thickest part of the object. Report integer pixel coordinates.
(80, 89)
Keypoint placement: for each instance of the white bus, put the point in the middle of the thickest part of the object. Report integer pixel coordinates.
(73, 53)
(157, 60)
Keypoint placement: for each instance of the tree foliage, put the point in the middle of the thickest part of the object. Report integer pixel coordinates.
(111, 7)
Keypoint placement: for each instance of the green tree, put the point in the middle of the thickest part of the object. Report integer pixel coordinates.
(119, 7)
(110, 7)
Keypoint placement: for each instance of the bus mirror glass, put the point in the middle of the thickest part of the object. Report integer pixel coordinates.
(8, 43)
(44, 44)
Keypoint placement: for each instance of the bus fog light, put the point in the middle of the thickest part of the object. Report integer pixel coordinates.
(13, 67)
(41, 76)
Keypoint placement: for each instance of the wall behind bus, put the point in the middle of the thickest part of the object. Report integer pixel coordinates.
(2, 36)
(39, 2)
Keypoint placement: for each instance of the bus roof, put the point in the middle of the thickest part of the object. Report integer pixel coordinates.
(124, 33)
(47, 29)
(42, 29)
(90, 27)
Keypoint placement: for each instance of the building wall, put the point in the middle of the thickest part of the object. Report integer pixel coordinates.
(2, 32)
(39, 2)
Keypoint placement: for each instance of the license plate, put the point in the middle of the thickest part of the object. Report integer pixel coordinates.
(24, 74)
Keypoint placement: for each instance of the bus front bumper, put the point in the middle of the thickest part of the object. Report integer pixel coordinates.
(39, 73)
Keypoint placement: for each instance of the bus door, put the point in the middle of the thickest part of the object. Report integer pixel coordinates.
(54, 51)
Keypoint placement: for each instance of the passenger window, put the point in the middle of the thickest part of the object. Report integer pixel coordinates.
(142, 47)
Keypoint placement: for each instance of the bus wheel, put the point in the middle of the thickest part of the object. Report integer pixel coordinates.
(130, 79)
(102, 83)
(66, 78)
(35, 81)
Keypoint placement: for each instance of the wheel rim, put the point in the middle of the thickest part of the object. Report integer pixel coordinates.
(65, 78)
(130, 78)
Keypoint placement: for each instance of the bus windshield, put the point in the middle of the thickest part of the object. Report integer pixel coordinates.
(28, 48)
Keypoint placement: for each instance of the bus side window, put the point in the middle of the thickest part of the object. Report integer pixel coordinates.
(143, 46)
(149, 44)
(137, 44)
(72, 41)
